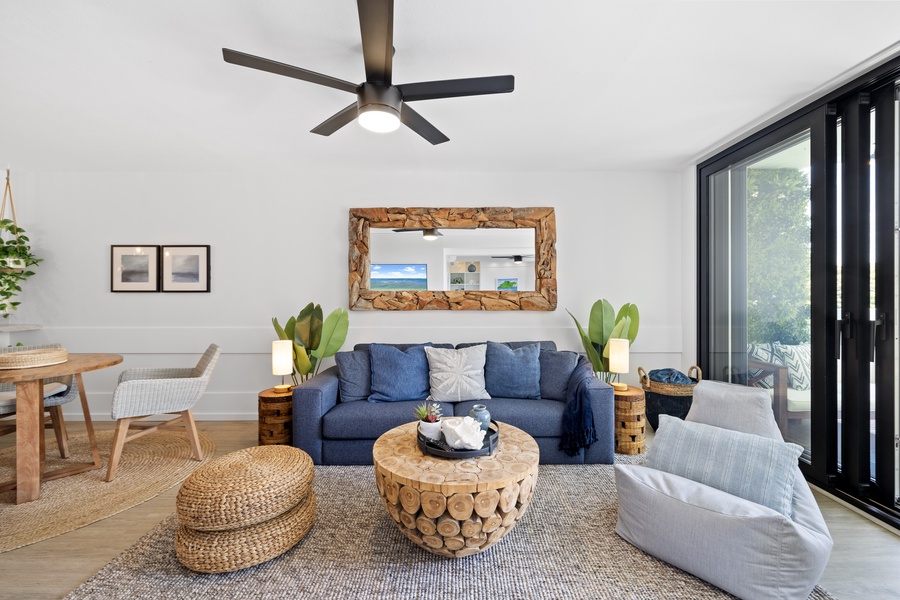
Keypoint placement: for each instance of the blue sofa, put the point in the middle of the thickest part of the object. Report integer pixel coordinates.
(335, 425)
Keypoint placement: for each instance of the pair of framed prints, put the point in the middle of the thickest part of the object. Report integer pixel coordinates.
(160, 268)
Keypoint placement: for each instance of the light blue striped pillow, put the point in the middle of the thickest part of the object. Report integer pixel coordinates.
(749, 466)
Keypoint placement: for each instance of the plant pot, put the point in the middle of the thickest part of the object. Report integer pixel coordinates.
(432, 431)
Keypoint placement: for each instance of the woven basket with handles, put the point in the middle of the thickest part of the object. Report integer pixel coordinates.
(671, 389)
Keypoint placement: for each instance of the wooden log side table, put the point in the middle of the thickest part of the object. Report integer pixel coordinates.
(631, 421)
(276, 423)
(455, 507)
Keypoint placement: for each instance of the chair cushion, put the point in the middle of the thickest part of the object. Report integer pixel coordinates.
(354, 375)
(398, 375)
(749, 466)
(556, 368)
(736, 407)
(456, 375)
(8, 398)
(796, 358)
(510, 373)
(763, 353)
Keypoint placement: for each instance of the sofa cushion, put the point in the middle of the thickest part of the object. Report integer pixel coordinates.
(456, 375)
(540, 418)
(556, 368)
(510, 373)
(398, 375)
(355, 374)
(362, 421)
(749, 466)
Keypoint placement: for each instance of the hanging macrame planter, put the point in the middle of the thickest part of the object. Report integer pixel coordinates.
(15, 254)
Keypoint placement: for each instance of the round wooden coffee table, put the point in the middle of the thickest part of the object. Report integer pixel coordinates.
(455, 507)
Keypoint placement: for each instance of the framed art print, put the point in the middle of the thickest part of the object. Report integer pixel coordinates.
(185, 268)
(134, 268)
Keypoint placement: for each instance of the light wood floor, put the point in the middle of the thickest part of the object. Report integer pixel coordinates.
(864, 563)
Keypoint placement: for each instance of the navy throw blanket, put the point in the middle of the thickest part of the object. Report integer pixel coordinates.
(578, 418)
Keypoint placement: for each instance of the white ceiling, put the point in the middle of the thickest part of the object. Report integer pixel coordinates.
(122, 85)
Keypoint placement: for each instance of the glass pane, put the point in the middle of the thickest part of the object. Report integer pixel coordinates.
(760, 280)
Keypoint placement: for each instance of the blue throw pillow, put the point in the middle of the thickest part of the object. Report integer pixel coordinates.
(398, 375)
(354, 375)
(556, 368)
(512, 373)
(749, 466)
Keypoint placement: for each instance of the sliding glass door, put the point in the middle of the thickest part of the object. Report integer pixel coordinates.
(799, 285)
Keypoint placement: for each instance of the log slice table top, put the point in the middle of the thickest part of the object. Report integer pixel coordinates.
(455, 507)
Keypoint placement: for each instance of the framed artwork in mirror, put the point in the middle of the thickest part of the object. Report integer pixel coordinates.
(134, 268)
(430, 221)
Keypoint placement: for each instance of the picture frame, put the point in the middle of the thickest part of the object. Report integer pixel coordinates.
(398, 276)
(185, 268)
(507, 284)
(134, 268)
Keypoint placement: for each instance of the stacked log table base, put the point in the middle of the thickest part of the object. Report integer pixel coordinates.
(631, 421)
(276, 424)
(244, 508)
(455, 507)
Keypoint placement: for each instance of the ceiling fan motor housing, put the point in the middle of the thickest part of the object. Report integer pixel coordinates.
(372, 96)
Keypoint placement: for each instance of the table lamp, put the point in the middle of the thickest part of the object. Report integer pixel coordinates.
(282, 363)
(618, 361)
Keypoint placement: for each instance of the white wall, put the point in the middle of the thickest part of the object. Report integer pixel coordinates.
(280, 240)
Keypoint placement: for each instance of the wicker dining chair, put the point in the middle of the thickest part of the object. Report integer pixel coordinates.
(143, 393)
(57, 391)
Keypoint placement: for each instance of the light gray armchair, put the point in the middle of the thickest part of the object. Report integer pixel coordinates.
(142, 393)
(57, 391)
(745, 548)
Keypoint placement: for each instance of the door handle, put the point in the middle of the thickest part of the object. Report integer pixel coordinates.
(842, 329)
(873, 327)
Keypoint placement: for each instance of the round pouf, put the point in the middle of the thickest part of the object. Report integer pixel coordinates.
(244, 508)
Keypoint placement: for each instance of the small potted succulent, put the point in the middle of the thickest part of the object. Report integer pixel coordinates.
(429, 416)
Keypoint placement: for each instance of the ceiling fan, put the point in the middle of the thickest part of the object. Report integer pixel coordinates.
(516, 258)
(380, 105)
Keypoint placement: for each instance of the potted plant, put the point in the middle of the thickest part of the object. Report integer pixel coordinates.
(15, 260)
(605, 324)
(314, 338)
(429, 416)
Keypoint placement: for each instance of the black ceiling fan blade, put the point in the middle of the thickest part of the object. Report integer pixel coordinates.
(417, 123)
(270, 66)
(336, 121)
(376, 24)
(453, 88)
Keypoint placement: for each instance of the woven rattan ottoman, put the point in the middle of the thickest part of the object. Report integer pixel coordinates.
(244, 508)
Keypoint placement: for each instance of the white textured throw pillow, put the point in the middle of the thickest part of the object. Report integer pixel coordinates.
(456, 375)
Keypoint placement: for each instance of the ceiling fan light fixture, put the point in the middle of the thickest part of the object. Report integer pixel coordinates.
(517, 259)
(431, 234)
(379, 118)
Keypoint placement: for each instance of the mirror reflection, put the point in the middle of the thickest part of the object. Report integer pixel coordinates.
(452, 259)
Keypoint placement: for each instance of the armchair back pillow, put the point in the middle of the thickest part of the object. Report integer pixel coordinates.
(749, 466)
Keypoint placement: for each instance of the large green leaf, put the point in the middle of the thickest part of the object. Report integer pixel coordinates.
(301, 360)
(631, 311)
(309, 326)
(334, 333)
(589, 349)
(290, 326)
(279, 329)
(618, 331)
(601, 322)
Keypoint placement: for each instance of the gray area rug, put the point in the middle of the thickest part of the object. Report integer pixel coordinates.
(564, 547)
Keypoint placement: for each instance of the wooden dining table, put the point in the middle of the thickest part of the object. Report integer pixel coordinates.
(30, 453)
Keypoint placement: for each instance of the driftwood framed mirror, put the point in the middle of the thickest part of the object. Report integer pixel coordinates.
(457, 283)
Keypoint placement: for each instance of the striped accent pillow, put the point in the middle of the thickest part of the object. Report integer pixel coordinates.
(749, 466)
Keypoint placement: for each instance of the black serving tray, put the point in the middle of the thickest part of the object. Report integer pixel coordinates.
(441, 448)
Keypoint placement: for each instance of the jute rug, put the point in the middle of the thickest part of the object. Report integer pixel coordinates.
(149, 466)
(564, 547)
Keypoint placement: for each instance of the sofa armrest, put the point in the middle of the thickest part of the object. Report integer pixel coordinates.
(311, 400)
(779, 388)
(603, 405)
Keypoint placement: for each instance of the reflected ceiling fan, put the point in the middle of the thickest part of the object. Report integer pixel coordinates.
(517, 259)
(380, 105)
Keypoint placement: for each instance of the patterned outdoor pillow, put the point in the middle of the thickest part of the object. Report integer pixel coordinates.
(796, 358)
(456, 375)
(763, 353)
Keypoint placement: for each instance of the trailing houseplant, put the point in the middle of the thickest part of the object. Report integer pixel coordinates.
(15, 259)
(604, 325)
(314, 338)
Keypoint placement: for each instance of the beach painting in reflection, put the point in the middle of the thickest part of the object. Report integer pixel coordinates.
(388, 277)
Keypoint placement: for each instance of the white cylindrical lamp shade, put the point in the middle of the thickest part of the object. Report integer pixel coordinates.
(618, 355)
(282, 357)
